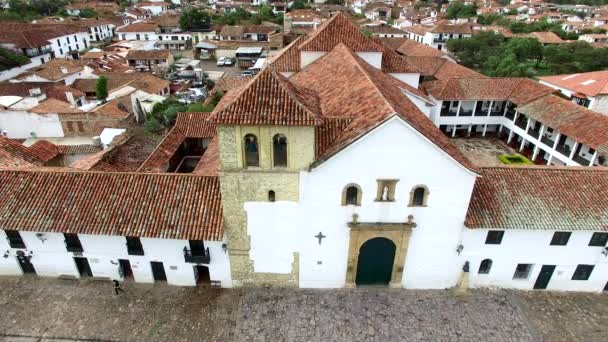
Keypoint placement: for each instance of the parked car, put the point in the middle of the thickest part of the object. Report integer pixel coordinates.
(248, 73)
(229, 61)
(221, 61)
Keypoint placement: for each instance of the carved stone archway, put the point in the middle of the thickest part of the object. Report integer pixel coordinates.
(360, 232)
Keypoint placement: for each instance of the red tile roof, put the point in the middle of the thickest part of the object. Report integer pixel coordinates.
(579, 123)
(589, 83)
(44, 150)
(187, 125)
(411, 47)
(268, 99)
(338, 30)
(549, 198)
(13, 154)
(166, 206)
(349, 88)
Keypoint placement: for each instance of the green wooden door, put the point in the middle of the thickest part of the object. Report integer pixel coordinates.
(375, 263)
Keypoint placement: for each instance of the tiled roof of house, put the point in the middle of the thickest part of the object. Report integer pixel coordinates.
(445, 27)
(516, 89)
(411, 47)
(148, 54)
(547, 198)
(78, 149)
(187, 125)
(338, 30)
(441, 68)
(544, 37)
(141, 81)
(54, 106)
(167, 206)
(350, 89)
(127, 152)
(588, 83)
(582, 124)
(14, 154)
(57, 68)
(139, 27)
(210, 161)
(268, 99)
(44, 150)
(289, 58)
(26, 35)
(392, 62)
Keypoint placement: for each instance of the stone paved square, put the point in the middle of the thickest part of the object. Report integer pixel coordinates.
(39, 309)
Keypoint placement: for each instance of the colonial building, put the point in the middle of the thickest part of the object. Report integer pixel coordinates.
(333, 167)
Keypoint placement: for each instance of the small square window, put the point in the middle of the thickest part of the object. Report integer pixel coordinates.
(560, 238)
(598, 239)
(583, 272)
(522, 271)
(494, 237)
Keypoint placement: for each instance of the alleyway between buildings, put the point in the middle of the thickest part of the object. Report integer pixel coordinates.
(44, 310)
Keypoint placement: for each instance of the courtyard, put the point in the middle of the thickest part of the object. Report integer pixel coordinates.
(43, 309)
(483, 151)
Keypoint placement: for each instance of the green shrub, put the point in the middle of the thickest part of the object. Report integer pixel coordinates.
(514, 159)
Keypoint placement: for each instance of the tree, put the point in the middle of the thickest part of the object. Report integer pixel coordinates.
(101, 89)
(194, 19)
(335, 2)
(299, 4)
(460, 10)
(87, 13)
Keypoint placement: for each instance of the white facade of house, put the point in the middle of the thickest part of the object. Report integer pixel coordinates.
(34, 62)
(67, 46)
(101, 32)
(526, 246)
(149, 35)
(431, 260)
(436, 40)
(50, 258)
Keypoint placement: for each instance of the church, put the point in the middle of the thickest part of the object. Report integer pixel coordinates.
(333, 167)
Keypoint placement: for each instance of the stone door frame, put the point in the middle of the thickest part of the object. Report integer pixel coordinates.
(361, 232)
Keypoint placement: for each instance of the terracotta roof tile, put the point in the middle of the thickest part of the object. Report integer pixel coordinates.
(44, 150)
(411, 47)
(577, 122)
(148, 54)
(268, 99)
(54, 106)
(78, 149)
(548, 198)
(515, 89)
(14, 154)
(349, 88)
(589, 83)
(167, 206)
(338, 30)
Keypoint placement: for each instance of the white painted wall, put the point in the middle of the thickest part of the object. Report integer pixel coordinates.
(279, 229)
(51, 259)
(307, 57)
(372, 58)
(34, 62)
(408, 78)
(62, 45)
(533, 247)
(20, 124)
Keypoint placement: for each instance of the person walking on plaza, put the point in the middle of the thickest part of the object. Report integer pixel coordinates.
(117, 287)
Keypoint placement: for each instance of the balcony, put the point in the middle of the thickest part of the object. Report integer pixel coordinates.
(197, 257)
(581, 160)
(534, 132)
(482, 109)
(564, 149)
(546, 139)
(521, 122)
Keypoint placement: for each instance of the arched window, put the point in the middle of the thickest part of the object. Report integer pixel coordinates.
(271, 196)
(485, 266)
(351, 195)
(252, 152)
(419, 196)
(279, 148)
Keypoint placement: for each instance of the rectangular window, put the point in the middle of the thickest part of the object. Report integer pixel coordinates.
(72, 243)
(560, 238)
(80, 126)
(494, 237)
(70, 126)
(598, 239)
(134, 246)
(583, 272)
(14, 239)
(522, 271)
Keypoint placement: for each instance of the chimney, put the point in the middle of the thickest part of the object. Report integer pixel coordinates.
(97, 141)
(64, 70)
(70, 97)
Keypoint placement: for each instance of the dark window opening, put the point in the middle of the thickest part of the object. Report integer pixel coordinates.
(14, 239)
(598, 239)
(418, 198)
(134, 246)
(271, 196)
(560, 238)
(494, 237)
(72, 243)
(187, 156)
(351, 195)
(197, 252)
(279, 147)
(522, 271)
(485, 266)
(583, 272)
(252, 154)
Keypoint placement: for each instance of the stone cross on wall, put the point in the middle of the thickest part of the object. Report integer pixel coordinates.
(320, 236)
